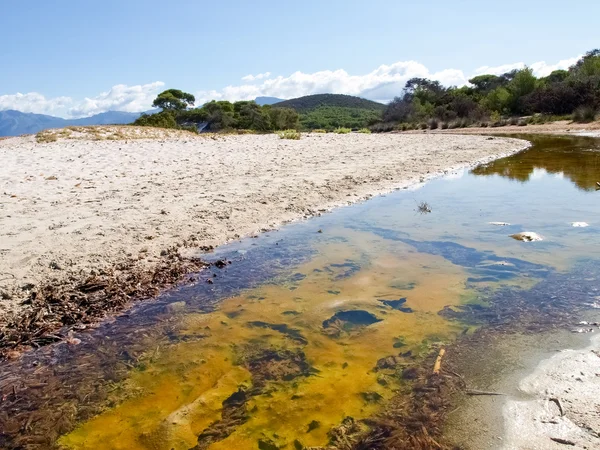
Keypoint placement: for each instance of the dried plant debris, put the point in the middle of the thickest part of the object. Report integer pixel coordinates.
(55, 309)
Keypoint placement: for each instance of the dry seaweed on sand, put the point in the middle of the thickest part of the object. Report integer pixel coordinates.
(55, 309)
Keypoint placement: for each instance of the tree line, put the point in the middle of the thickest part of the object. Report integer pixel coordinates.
(492, 98)
(177, 112)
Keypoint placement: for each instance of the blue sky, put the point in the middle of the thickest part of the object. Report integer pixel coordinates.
(119, 54)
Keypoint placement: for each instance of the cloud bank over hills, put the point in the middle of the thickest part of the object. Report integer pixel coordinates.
(119, 98)
(381, 85)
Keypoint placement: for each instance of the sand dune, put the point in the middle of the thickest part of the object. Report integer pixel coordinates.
(86, 202)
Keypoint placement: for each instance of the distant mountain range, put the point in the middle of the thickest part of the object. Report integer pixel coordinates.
(15, 123)
(268, 100)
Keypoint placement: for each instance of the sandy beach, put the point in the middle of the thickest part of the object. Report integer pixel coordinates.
(88, 202)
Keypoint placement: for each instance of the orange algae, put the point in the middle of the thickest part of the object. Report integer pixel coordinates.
(180, 391)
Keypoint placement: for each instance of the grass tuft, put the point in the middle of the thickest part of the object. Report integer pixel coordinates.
(289, 134)
(342, 130)
(584, 114)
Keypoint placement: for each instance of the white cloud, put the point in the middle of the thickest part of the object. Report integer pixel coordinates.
(540, 68)
(34, 102)
(119, 98)
(260, 76)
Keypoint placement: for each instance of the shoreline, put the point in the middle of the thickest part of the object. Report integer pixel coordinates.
(325, 172)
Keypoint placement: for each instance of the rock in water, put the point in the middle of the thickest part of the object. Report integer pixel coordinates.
(580, 224)
(527, 236)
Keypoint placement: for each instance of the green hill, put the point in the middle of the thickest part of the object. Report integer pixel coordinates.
(312, 102)
(330, 111)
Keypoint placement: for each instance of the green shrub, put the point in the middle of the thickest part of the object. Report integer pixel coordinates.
(342, 130)
(433, 124)
(364, 131)
(289, 134)
(584, 114)
(423, 126)
(484, 124)
(319, 130)
(444, 125)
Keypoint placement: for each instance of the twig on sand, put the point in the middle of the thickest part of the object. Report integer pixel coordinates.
(459, 376)
(563, 441)
(560, 408)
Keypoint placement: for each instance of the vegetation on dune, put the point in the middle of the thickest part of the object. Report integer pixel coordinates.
(331, 117)
(498, 100)
(217, 115)
(331, 111)
(342, 130)
(289, 134)
(311, 102)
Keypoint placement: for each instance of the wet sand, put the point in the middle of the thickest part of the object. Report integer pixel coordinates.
(87, 203)
(535, 373)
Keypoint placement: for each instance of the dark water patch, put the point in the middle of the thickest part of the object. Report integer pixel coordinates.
(339, 271)
(351, 319)
(297, 277)
(397, 305)
(291, 313)
(403, 286)
(282, 328)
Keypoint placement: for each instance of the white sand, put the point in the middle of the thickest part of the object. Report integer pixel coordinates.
(571, 377)
(84, 203)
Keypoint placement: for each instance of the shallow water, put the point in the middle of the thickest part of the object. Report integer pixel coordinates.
(291, 337)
